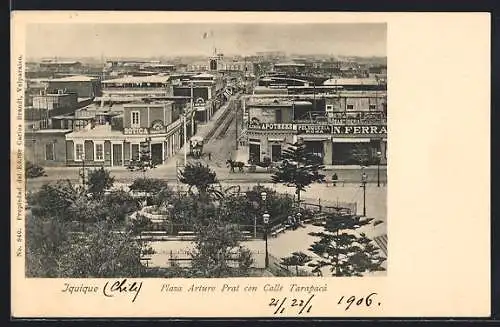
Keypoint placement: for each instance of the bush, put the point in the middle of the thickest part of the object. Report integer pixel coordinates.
(34, 171)
(148, 185)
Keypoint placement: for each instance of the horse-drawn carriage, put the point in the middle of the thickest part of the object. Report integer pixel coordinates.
(196, 146)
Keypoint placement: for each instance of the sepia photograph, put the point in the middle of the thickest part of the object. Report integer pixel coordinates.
(164, 162)
(206, 150)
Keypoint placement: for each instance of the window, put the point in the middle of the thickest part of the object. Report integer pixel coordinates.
(135, 121)
(99, 151)
(49, 151)
(329, 107)
(278, 116)
(373, 107)
(350, 107)
(79, 152)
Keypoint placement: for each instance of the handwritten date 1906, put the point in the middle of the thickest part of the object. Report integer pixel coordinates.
(301, 306)
(362, 301)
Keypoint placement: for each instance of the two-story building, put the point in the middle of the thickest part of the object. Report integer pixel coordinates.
(136, 87)
(86, 87)
(346, 124)
(157, 125)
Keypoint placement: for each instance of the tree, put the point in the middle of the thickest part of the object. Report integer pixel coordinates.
(55, 248)
(217, 251)
(144, 162)
(55, 200)
(46, 240)
(299, 169)
(99, 181)
(101, 252)
(346, 252)
(155, 189)
(296, 259)
(201, 177)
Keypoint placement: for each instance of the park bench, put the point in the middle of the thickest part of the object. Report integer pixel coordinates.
(146, 260)
(154, 233)
(246, 234)
(338, 182)
(185, 233)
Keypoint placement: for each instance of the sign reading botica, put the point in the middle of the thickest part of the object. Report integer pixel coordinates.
(157, 127)
(321, 128)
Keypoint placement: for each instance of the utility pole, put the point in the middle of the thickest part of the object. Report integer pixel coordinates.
(185, 139)
(192, 108)
(236, 121)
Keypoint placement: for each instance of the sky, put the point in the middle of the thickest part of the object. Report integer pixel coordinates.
(151, 40)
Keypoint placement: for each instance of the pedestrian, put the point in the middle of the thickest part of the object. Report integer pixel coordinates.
(335, 179)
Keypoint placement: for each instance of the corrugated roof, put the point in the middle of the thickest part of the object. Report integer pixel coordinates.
(138, 79)
(78, 78)
(351, 81)
(98, 131)
(204, 75)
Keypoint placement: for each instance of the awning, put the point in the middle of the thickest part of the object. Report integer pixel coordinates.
(275, 139)
(313, 138)
(350, 140)
(253, 142)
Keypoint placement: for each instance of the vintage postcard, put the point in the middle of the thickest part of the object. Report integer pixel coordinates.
(228, 164)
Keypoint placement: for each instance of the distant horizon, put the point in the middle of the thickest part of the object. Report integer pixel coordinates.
(200, 40)
(98, 58)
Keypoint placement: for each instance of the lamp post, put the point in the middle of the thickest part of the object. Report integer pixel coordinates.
(82, 158)
(265, 217)
(379, 158)
(363, 185)
(170, 209)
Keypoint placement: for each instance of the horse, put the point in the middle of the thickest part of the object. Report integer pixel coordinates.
(231, 163)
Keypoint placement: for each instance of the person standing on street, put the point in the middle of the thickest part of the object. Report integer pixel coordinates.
(335, 179)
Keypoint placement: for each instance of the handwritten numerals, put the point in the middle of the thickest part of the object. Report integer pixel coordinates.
(299, 305)
(362, 301)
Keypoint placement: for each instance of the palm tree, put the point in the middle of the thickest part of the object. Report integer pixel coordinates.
(201, 177)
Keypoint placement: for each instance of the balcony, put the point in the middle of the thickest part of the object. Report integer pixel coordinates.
(345, 118)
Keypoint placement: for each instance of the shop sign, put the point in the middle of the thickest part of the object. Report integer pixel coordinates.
(314, 129)
(157, 127)
(199, 103)
(271, 126)
(354, 130)
(135, 131)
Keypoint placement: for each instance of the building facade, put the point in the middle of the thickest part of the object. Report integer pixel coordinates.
(158, 126)
(348, 127)
(46, 147)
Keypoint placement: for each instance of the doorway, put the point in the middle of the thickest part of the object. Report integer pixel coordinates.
(275, 152)
(254, 153)
(117, 155)
(157, 153)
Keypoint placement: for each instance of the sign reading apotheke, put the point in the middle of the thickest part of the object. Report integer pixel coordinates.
(272, 126)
